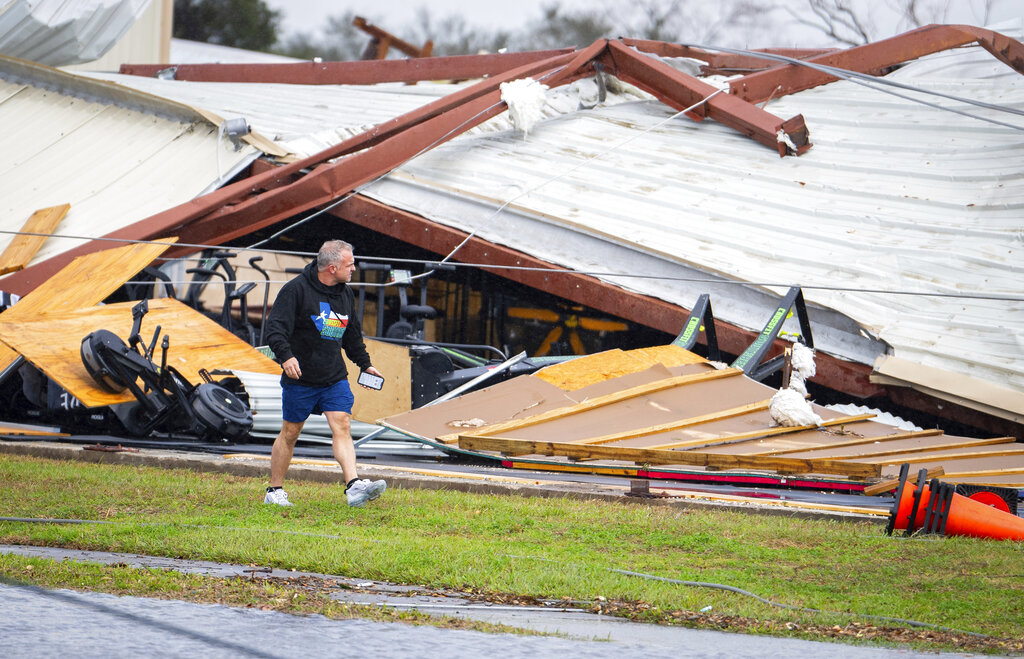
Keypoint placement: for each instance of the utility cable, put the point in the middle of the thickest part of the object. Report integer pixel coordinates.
(878, 84)
(747, 593)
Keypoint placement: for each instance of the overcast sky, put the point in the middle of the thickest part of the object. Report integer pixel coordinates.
(309, 15)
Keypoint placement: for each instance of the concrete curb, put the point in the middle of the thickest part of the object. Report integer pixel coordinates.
(522, 486)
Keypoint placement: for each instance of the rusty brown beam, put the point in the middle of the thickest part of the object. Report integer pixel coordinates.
(880, 55)
(385, 40)
(680, 91)
(718, 63)
(460, 67)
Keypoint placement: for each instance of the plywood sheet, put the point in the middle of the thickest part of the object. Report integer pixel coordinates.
(53, 344)
(85, 282)
(396, 395)
(24, 246)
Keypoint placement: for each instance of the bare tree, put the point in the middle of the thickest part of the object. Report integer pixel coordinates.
(856, 22)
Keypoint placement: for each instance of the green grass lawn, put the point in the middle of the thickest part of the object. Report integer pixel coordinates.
(536, 547)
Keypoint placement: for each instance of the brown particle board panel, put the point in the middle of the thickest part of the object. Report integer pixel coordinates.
(85, 282)
(53, 344)
(993, 464)
(962, 453)
(513, 399)
(23, 247)
(657, 402)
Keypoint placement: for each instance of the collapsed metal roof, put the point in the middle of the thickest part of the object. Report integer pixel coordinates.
(894, 196)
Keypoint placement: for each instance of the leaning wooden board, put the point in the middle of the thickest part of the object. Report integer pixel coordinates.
(53, 344)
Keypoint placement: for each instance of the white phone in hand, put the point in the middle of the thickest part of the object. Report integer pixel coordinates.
(370, 380)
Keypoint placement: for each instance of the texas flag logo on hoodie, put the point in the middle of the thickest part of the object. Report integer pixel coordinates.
(329, 324)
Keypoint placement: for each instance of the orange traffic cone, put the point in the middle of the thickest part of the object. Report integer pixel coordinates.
(937, 507)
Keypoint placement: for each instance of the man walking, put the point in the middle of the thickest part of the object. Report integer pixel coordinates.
(312, 320)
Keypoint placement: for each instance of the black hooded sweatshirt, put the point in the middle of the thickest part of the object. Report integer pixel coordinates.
(313, 322)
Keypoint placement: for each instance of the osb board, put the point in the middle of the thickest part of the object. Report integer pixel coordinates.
(396, 395)
(588, 370)
(85, 282)
(53, 344)
(23, 246)
(512, 399)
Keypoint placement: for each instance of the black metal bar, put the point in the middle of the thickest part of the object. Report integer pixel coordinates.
(931, 513)
(701, 319)
(922, 476)
(904, 472)
(751, 358)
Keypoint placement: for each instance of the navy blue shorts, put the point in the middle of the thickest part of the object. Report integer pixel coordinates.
(298, 401)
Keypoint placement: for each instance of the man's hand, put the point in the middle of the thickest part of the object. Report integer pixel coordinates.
(291, 368)
(372, 371)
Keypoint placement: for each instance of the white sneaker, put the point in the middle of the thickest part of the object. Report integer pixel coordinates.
(279, 497)
(364, 490)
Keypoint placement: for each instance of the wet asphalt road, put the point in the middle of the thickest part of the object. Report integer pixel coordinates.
(48, 623)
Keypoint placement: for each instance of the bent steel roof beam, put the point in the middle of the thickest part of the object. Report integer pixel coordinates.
(458, 67)
(723, 63)
(877, 56)
(680, 91)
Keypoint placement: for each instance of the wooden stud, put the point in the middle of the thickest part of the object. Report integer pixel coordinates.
(23, 247)
(893, 483)
(928, 457)
(861, 440)
(656, 456)
(952, 444)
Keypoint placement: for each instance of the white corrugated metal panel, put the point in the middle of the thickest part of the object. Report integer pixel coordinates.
(303, 119)
(61, 32)
(147, 42)
(894, 196)
(116, 156)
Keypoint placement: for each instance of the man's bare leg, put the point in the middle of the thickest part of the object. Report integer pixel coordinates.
(344, 451)
(281, 453)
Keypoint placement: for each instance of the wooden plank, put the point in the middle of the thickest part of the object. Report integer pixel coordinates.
(893, 483)
(755, 434)
(861, 440)
(23, 247)
(601, 401)
(914, 458)
(863, 452)
(53, 344)
(1009, 471)
(676, 425)
(658, 456)
(396, 396)
(85, 282)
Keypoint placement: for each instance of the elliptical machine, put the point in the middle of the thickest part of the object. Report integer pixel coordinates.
(165, 399)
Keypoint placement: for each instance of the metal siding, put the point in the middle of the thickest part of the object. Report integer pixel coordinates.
(114, 165)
